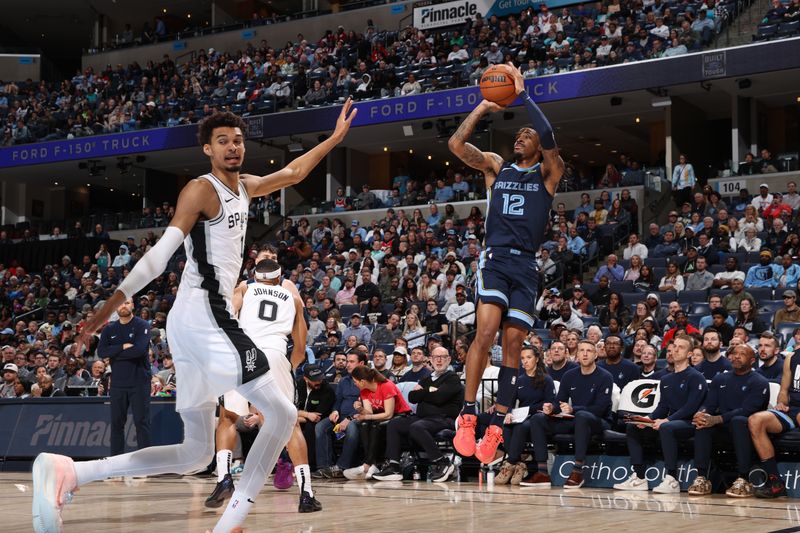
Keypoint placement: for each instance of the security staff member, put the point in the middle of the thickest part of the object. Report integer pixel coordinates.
(126, 343)
(732, 397)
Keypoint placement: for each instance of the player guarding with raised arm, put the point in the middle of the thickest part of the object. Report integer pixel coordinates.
(211, 352)
(520, 193)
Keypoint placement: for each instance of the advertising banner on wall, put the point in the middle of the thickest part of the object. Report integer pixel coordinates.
(429, 15)
(78, 427)
(448, 13)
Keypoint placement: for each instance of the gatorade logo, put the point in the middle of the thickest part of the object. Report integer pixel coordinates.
(644, 395)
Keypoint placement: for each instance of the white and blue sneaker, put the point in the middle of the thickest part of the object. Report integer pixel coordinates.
(54, 480)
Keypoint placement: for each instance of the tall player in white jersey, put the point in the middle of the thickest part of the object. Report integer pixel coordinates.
(211, 353)
(247, 305)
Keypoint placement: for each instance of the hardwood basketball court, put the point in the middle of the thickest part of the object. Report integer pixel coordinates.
(176, 504)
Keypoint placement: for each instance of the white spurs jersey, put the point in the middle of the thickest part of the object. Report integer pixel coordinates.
(267, 315)
(214, 247)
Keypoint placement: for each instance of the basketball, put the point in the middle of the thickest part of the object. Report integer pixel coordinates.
(497, 85)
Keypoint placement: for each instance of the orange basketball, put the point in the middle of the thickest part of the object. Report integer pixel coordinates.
(497, 85)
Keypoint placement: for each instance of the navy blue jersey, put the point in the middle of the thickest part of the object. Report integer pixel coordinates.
(794, 385)
(518, 207)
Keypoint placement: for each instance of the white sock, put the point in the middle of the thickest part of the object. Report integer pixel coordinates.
(191, 455)
(235, 513)
(223, 463)
(87, 471)
(302, 474)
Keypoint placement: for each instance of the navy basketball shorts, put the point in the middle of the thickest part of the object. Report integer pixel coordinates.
(510, 278)
(789, 419)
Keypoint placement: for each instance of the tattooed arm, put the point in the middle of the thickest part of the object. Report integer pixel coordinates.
(487, 162)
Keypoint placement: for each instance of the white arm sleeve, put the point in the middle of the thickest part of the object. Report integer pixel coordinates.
(152, 263)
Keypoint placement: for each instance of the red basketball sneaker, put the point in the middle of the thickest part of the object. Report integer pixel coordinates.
(464, 441)
(486, 449)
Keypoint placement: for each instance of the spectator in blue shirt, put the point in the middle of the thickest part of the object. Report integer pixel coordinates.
(787, 274)
(399, 182)
(356, 230)
(704, 26)
(435, 217)
(762, 274)
(444, 193)
(340, 419)
(575, 243)
(460, 185)
(611, 270)
(585, 207)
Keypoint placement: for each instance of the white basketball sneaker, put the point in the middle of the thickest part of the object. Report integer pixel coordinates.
(668, 486)
(632, 483)
(54, 480)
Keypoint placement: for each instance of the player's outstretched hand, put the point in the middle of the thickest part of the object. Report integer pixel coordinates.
(519, 81)
(490, 107)
(346, 117)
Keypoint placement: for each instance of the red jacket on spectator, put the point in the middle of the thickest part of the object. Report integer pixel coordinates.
(690, 329)
(775, 211)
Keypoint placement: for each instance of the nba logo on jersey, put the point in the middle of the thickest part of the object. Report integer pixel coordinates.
(250, 360)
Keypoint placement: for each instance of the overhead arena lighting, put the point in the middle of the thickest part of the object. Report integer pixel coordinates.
(661, 101)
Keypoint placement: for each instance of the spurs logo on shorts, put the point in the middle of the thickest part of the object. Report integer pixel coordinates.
(250, 360)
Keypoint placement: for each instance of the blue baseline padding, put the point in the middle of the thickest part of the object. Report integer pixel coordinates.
(78, 427)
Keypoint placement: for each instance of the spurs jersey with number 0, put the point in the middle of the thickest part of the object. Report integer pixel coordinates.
(267, 315)
(518, 208)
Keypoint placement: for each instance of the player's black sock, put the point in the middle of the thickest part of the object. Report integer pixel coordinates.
(673, 472)
(770, 466)
(639, 471)
(497, 418)
(542, 467)
(470, 408)
(506, 380)
(578, 467)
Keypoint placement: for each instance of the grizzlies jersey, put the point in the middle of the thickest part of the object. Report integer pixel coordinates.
(794, 386)
(518, 208)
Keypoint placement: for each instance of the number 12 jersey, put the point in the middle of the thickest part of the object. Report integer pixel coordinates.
(518, 209)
